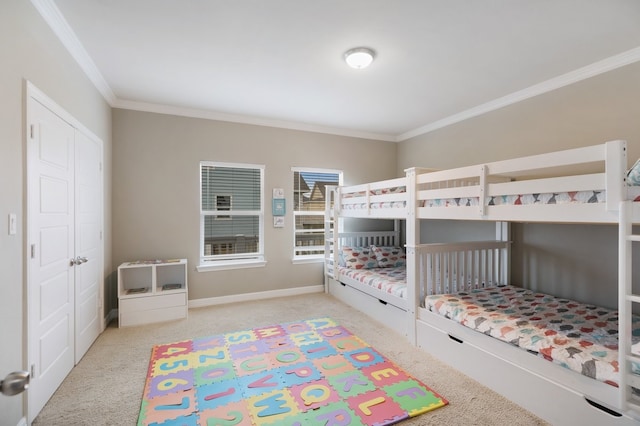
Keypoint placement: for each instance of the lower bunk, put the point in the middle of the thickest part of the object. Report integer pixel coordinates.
(507, 345)
(368, 271)
(587, 335)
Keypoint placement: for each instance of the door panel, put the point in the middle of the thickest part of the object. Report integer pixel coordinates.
(53, 345)
(88, 242)
(53, 290)
(50, 153)
(54, 195)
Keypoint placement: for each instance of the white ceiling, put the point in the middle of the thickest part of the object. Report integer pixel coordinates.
(279, 62)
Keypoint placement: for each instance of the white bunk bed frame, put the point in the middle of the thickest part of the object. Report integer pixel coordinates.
(376, 303)
(552, 392)
(480, 261)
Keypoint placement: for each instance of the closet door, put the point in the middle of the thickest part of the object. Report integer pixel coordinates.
(65, 246)
(51, 239)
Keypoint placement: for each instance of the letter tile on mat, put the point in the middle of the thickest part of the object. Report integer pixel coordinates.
(310, 372)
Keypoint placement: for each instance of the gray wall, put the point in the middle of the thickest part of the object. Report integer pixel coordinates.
(156, 190)
(547, 257)
(30, 51)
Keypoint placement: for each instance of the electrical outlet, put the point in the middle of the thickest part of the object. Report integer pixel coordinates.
(13, 224)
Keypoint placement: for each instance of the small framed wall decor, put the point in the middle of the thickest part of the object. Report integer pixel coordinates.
(278, 221)
(279, 207)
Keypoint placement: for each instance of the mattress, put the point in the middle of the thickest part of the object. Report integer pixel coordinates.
(388, 280)
(581, 337)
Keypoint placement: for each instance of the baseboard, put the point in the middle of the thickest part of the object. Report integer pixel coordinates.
(246, 297)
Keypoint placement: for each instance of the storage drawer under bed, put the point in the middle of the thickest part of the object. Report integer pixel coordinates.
(389, 315)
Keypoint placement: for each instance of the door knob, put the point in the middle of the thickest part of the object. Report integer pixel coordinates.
(14, 383)
(78, 261)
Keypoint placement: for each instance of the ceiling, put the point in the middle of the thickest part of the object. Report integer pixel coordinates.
(280, 62)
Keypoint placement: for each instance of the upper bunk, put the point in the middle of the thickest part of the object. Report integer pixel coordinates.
(387, 199)
(581, 185)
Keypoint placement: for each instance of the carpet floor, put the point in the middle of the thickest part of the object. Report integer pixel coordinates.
(106, 387)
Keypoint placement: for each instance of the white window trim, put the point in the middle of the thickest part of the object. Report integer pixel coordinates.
(232, 264)
(310, 258)
(241, 261)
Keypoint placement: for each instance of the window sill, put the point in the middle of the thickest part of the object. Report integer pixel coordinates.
(232, 264)
(303, 260)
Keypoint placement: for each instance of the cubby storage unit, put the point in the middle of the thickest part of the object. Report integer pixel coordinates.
(152, 291)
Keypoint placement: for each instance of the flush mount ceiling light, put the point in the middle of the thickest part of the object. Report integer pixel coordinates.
(359, 57)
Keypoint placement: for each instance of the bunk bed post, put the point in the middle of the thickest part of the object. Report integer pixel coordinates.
(396, 233)
(482, 190)
(624, 305)
(616, 165)
(503, 233)
(413, 265)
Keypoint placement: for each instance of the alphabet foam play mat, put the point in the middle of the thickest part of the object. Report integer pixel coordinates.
(311, 372)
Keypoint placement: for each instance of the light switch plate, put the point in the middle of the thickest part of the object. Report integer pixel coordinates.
(13, 225)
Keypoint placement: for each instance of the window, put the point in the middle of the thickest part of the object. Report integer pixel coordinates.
(309, 194)
(231, 215)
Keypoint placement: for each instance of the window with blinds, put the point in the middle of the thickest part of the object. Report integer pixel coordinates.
(309, 194)
(231, 212)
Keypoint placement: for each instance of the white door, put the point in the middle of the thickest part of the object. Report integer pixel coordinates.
(50, 305)
(65, 272)
(88, 244)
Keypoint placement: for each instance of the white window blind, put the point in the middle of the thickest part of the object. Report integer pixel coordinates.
(231, 212)
(309, 194)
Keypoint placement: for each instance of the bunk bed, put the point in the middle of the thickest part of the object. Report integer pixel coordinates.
(368, 270)
(479, 330)
(583, 185)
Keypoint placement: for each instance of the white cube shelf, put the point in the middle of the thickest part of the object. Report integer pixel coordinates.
(152, 291)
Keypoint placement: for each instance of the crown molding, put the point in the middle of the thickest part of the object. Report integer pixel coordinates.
(596, 68)
(243, 119)
(51, 14)
(67, 36)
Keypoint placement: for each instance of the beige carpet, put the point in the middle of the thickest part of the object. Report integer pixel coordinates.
(105, 388)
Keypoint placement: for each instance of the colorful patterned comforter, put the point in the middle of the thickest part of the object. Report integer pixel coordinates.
(388, 280)
(581, 337)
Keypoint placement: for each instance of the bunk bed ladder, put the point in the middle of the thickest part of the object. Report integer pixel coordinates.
(329, 234)
(629, 399)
